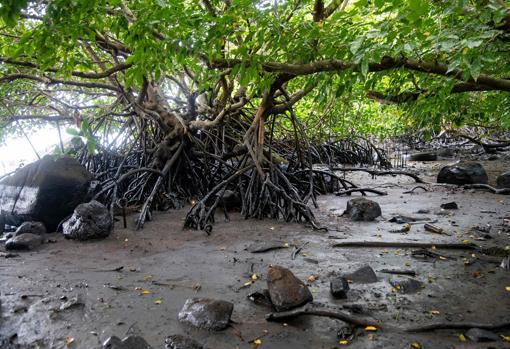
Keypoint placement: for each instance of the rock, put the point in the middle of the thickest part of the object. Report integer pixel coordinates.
(36, 228)
(89, 221)
(464, 172)
(261, 297)
(339, 287)
(130, 342)
(264, 246)
(480, 335)
(206, 313)
(407, 285)
(423, 156)
(450, 206)
(361, 209)
(178, 341)
(364, 275)
(46, 190)
(25, 241)
(286, 290)
(503, 180)
(446, 152)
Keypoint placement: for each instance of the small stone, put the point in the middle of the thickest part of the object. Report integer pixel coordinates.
(361, 209)
(480, 335)
(339, 287)
(407, 285)
(91, 220)
(450, 206)
(261, 298)
(364, 275)
(464, 172)
(178, 341)
(206, 313)
(423, 156)
(25, 241)
(285, 289)
(130, 342)
(36, 228)
(503, 180)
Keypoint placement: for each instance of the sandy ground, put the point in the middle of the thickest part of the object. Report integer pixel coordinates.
(37, 288)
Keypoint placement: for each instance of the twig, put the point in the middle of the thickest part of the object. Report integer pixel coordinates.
(398, 272)
(297, 250)
(503, 191)
(361, 190)
(412, 190)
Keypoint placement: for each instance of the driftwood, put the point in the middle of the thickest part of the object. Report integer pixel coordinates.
(311, 309)
(385, 244)
(363, 191)
(458, 326)
(502, 191)
(379, 172)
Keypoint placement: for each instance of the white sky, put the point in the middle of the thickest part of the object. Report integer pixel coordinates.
(18, 150)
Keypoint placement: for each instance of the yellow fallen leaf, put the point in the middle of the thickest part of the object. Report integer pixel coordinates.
(305, 254)
(147, 277)
(465, 241)
(371, 328)
(312, 278)
(397, 286)
(68, 340)
(257, 342)
(343, 342)
(146, 292)
(416, 345)
(435, 312)
(434, 247)
(157, 301)
(505, 338)
(443, 258)
(248, 283)
(254, 277)
(462, 338)
(507, 288)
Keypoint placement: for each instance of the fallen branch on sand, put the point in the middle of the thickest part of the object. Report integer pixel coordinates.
(311, 309)
(363, 191)
(502, 191)
(417, 187)
(385, 244)
(458, 326)
(378, 172)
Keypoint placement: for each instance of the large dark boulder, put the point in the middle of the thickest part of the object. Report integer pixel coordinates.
(361, 209)
(91, 220)
(46, 190)
(464, 172)
(285, 289)
(503, 180)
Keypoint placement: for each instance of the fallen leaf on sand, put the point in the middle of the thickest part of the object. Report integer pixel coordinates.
(416, 345)
(371, 328)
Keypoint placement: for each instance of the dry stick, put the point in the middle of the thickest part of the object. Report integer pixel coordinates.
(379, 173)
(319, 311)
(503, 191)
(398, 272)
(458, 326)
(361, 190)
(148, 202)
(385, 244)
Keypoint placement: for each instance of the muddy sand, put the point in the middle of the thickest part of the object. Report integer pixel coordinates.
(67, 294)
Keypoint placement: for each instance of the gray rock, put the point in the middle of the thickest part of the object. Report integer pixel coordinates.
(503, 180)
(446, 152)
(46, 191)
(206, 313)
(464, 172)
(130, 342)
(178, 341)
(25, 241)
(407, 285)
(285, 289)
(450, 206)
(36, 228)
(479, 335)
(261, 297)
(363, 275)
(89, 221)
(339, 287)
(361, 209)
(423, 156)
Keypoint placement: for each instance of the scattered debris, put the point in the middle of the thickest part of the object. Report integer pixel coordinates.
(434, 229)
(405, 229)
(398, 272)
(407, 286)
